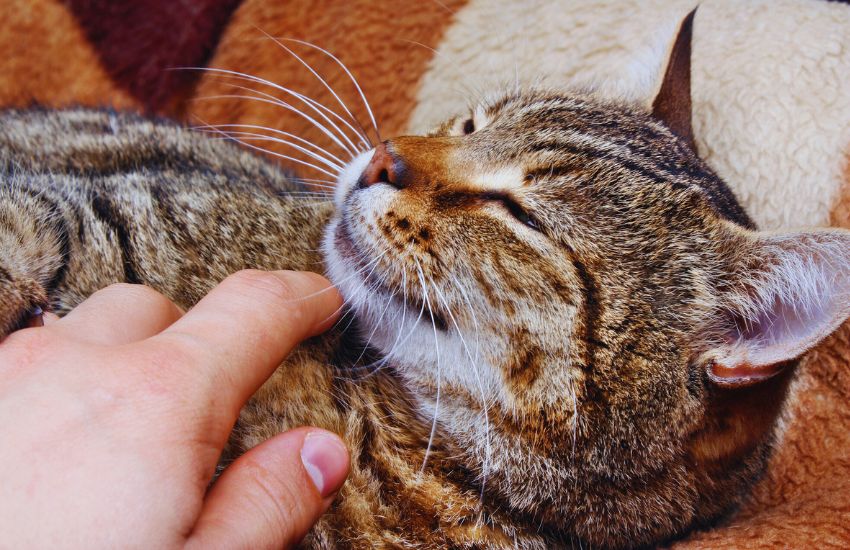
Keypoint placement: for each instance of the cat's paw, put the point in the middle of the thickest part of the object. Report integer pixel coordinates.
(22, 301)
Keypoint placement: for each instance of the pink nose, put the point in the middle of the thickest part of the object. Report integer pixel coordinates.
(383, 168)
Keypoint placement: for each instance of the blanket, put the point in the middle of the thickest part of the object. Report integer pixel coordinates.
(771, 99)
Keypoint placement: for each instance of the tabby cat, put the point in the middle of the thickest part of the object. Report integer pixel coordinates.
(574, 335)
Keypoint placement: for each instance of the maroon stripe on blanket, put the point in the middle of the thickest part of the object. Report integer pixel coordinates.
(139, 42)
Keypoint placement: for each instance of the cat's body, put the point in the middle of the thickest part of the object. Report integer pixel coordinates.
(575, 335)
(106, 197)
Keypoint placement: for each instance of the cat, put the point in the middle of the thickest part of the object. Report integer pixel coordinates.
(563, 329)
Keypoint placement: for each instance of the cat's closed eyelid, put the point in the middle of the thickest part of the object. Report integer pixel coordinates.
(514, 208)
(477, 119)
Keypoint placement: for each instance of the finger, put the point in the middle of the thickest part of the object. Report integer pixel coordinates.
(242, 330)
(271, 496)
(119, 314)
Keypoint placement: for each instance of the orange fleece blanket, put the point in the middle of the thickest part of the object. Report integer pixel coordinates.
(98, 52)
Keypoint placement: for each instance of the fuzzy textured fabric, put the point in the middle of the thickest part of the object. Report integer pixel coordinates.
(139, 42)
(48, 59)
(95, 52)
(771, 91)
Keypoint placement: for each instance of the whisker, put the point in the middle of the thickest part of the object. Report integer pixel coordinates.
(475, 369)
(382, 363)
(280, 132)
(317, 180)
(306, 195)
(287, 106)
(403, 315)
(349, 314)
(280, 155)
(313, 204)
(314, 105)
(385, 360)
(362, 133)
(328, 191)
(251, 136)
(439, 369)
(346, 301)
(474, 316)
(213, 129)
(372, 287)
(226, 73)
(445, 7)
(351, 76)
(273, 153)
(378, 365)
(375, 328)
(356, 273)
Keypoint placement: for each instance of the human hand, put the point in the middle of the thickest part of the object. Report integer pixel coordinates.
(112, 420)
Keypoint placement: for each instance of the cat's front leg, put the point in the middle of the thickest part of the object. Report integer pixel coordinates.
(31, 253)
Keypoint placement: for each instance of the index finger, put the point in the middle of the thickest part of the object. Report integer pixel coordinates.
(243, 329)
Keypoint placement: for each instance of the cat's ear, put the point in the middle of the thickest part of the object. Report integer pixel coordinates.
(672, 104)
(789, 293)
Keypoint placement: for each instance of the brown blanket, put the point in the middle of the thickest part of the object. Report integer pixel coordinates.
(98, 52)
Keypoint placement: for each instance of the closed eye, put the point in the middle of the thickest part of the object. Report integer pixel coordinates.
(477, 120)
(514, 208)
(468, 126)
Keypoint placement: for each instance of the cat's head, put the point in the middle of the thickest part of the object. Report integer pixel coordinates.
(583, 306)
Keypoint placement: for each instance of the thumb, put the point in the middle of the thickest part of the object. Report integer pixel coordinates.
(272, 495)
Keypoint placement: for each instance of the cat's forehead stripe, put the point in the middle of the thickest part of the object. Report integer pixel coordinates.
(501, 178)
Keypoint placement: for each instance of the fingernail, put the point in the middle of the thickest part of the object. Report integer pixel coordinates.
(326, 460)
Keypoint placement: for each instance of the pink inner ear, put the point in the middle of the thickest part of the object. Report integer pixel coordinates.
(760, 348)
(783, 331)
(796, 300)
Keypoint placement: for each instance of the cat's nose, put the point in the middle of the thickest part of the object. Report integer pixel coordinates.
(383, 168)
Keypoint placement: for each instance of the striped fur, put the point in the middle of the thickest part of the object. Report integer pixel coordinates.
(634, 242)
(537, 299)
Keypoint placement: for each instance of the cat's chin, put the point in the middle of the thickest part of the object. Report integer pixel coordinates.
(401, 329)
(347, 265)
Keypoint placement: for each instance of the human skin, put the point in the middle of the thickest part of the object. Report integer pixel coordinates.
(112, 420)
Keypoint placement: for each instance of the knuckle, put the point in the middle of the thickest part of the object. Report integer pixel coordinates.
(22, 344)
(142, 294)
(120, 288)
(262, 283)
(168, 367)
(32, 349)
(176, 350)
